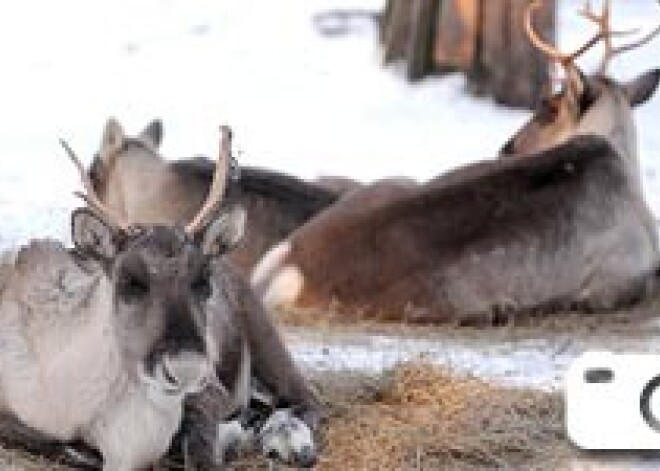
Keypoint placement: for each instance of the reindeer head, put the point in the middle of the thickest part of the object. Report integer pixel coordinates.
(593, 104)
(160, 281)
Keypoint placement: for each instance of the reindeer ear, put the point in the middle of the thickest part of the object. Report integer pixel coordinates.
(224, 232)
(112, 140)
(153, 133)
(640, 89)
(92, 236)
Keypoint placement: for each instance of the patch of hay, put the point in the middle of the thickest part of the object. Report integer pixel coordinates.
(548, 320)
(427, 418)
(312, 317)
(417, 417)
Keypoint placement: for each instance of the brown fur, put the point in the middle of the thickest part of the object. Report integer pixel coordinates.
(565, 226)
(134, 178)
(271, 367)
(510, 237)
(339, 185)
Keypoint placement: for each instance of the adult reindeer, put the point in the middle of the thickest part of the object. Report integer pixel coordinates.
(140, 328)
(133, 179)
(564, 227)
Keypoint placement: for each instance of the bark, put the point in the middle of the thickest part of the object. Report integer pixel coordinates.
(507, 66)
(483, 38)
(455, 44)
(396, 29)
(424, 21)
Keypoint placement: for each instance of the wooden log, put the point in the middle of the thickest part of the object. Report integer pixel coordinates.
(507, 66)
(527, 69)
(396, 29)
(419, 54)
(484, 38)
(455, 44)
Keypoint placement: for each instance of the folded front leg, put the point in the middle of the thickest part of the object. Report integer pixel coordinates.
(197, 440)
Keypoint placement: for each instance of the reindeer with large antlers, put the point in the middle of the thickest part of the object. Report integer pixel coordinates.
(562, 226)
(587, 105)
(139, 333)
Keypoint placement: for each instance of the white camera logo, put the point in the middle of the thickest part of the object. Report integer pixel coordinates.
(613, 401)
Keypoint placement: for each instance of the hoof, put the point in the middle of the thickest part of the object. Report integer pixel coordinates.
(231, 441)
(287, 439)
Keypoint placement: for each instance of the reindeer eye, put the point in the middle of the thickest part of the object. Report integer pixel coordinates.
(132, 286)
(201, 286)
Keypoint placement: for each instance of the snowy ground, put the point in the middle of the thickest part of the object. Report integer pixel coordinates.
(299, 102)
(531, 357)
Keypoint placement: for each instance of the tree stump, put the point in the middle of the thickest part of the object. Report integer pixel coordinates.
(395, 29)
(507, 66)
(424, 22)
(455, 44)
(483, 38)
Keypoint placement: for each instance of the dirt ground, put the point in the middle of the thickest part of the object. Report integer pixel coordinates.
(419, 416)
(447, 398)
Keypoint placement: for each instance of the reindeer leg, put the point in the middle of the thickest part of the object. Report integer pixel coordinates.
(273, 370)
(215, 427)
(271, 362)
(195, 443)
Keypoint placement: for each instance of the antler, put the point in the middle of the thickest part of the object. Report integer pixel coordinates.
(605, 33)
(551, 51)
(603, 21)
(611, 51)
(217, 189)
(89, 196)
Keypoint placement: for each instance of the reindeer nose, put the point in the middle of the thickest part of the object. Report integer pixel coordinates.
(186, 370)
(181, 333)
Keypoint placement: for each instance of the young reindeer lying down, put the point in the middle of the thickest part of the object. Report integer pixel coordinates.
(275, 203)
(563, 224)
(140, 333)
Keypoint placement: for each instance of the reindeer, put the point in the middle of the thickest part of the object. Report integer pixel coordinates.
(140, 332)
(563, 225)
(275, 203)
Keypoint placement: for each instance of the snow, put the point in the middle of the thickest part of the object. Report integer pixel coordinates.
(299, 102)
(530, 363)
(537, 357)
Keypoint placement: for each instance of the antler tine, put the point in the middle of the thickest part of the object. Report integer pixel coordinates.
(605, 29)
(551, 51)
(607, 33)
(588, 12)
(89, 196)
(217, 190)
(536, 41)
(640, 42)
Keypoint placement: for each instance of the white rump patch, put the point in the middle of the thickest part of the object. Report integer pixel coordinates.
(277, 283)
(284, 288)
(269, 263)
